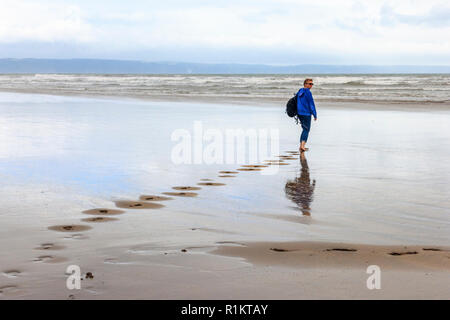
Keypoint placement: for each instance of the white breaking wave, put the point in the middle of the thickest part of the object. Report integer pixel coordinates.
(394, 88)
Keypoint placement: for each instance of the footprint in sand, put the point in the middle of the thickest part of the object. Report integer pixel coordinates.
(228, 172)
(154, 198)
(402, 253)
(342, 250)
(210, 184)
(187, 188)
(275, 162)
(226, 176)
(11, 273)
(249, 169)
(99, 219)
(103, 211)
(50, 259)
(49, 246)
(206, 180)
(138, 205)
(254, 166)
(286, 157)
(70, 228)
(280, 250)
(181, 194)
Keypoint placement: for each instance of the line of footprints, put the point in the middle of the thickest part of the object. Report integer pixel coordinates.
(152, 202)
(144, 202)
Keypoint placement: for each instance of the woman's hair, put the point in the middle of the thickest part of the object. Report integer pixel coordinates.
(306, 80)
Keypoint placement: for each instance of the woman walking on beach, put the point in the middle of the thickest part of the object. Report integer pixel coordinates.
(305, 108)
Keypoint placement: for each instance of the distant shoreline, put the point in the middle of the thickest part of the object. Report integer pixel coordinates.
(105, 66)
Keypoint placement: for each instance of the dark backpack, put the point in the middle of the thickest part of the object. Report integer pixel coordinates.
(291, 107)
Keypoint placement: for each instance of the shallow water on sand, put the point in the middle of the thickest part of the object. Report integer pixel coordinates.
(377, 177)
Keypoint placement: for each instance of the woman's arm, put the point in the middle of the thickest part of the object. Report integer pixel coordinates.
(312, 106)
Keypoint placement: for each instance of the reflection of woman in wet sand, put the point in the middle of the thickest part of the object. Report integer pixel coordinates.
(301, 190)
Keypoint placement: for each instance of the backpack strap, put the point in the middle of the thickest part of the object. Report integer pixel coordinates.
(296, 114)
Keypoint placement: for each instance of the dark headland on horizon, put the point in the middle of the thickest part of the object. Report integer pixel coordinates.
(103, 66)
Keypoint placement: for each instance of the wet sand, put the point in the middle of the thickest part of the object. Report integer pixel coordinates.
(237, 270)
(266, 101)
(309, 231)
(305, 255)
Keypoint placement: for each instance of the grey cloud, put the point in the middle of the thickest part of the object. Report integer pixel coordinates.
(437, 16)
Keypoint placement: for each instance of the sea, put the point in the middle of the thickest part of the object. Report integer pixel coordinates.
(396, 88)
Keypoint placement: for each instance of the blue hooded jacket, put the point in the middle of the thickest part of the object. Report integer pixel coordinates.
(305, 103)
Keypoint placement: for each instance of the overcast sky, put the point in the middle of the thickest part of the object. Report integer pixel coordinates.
(245, 31)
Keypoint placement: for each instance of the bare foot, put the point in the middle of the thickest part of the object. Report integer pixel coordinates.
(303, 146)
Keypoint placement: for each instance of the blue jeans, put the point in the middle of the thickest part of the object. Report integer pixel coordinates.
(305, 121)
